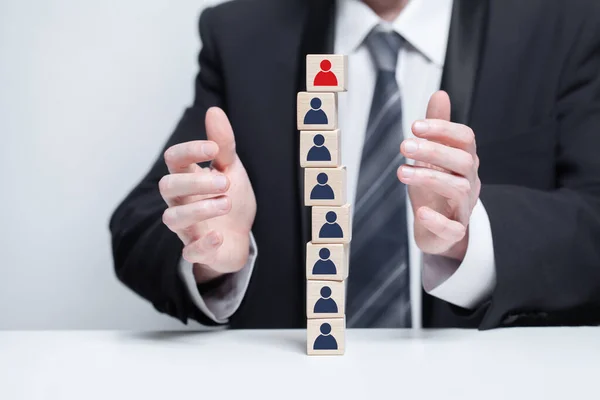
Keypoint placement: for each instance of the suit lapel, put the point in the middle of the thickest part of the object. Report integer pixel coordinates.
(317, 38)
(463, 54)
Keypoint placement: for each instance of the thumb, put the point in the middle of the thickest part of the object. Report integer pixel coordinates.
(219, 130)
(439, 106)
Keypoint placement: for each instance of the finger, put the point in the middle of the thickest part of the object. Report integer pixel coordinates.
(442, 156)
(183, 157)
(175, 186)
(203, 250)
(178, 218)
(447, 185)
(449, 133)
(439, 106)
(441, 226)
(219, 130)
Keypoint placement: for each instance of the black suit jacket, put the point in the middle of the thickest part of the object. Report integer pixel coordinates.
(525, 75)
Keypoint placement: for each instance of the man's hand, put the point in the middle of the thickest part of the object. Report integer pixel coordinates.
(211, 209)
(443, 185)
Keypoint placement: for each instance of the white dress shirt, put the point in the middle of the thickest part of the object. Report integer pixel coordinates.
(424, 24)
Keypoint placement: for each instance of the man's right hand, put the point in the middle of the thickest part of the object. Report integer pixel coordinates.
(211, 209)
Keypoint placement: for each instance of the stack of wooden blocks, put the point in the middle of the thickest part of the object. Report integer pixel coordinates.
(325, 189)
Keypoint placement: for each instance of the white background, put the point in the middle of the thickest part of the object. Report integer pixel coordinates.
(89, 92)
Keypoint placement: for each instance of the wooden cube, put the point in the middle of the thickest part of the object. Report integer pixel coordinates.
(327, 262)
(331, 224)
(325, 186)
(325, 299)
(320, 149)
(326, 72)
(317, 111)
(326, 336)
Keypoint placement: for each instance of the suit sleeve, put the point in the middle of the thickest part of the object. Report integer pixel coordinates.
(221, 299)
(146, 253)
(547, 243)
(467, 283)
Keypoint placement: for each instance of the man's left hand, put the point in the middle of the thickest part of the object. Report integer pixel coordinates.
(443, 184)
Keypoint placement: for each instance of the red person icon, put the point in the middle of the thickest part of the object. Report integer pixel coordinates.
(325, 77)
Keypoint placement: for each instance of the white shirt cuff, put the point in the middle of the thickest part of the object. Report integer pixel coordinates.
(220, 303)
(470, 283)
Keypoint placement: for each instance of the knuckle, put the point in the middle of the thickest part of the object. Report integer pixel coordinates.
(170, 155)
(198, 247)
(460, 231)
(436, 125)
(442, 230)
(477, 188)
(193, 251)
(465, 164)
(168, 217)
(189, 231)
(464, 188)
(198, 182)
(428, 148)
(446, 232)
(189, 254)
(469, 136)
(195, 148)
(433, 151)
(431, 177)
(238, 261)
(202, 209)
(469, 162)
(198, 210)
(164, 184)
(229, 147)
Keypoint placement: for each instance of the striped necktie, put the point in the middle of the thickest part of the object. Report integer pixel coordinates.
(379, 286)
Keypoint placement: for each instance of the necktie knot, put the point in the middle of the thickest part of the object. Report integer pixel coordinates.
(384, 48)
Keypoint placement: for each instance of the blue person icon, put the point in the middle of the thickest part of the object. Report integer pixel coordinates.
(315, 116)
(322, 191)
(324, 266)
(326, 305)
(325, 341)
(331, 229)
(318, 152)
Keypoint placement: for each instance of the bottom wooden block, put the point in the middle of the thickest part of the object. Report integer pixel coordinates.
(326, 336)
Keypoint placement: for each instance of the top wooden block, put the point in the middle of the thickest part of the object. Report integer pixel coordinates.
(326, 73)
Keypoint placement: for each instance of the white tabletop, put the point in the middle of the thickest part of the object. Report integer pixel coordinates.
(536, 363)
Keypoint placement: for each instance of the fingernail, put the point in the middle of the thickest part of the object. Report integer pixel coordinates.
(420, 127)
(411, 146)
(222, 204)
(220, 182)
(426, 214)
(407, 171)
(209, 149)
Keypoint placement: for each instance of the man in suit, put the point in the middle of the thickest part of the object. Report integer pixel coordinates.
(490, 187)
